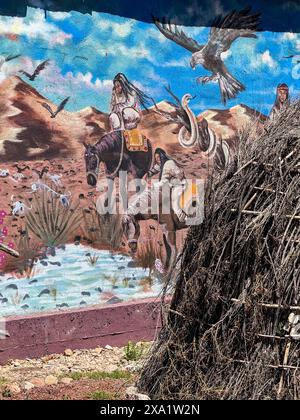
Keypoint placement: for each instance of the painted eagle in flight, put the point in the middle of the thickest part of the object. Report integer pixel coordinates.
(224, 31)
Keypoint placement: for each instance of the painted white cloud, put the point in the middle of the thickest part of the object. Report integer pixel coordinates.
(155, 34)
(197, 31)
(13, 67)
(87, 80)
(293, 41)
(155, 77)
(118, 50)
(289, 36)
(268, 60)
(51, 80)
(64, 84)
(59, 15)
(264, 60)
(181, 62)
(121, 30)
(152, 84)
(295, 90)
(34, 26)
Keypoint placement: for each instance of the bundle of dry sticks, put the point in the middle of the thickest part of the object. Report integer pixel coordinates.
(232, 330)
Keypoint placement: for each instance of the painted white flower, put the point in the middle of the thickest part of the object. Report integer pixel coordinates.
(19, 208)
(64, 200)
(55, 179)
(4, 173)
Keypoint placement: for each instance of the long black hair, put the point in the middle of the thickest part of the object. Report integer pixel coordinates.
(285, 87)
(129, 88)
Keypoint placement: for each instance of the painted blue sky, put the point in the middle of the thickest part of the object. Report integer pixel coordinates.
(87, 51)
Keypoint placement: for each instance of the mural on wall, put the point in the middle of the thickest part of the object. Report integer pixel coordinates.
(92, 103)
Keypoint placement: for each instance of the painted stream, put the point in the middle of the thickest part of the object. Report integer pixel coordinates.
(76, 277)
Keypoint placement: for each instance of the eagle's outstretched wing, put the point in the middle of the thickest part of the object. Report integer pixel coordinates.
(175, 34)
(225, 31)
(48, 107)
(62, 105)
(40, 67)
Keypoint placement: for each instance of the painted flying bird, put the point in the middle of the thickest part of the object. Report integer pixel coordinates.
(21, 169)
(37, 71)
(59, 108)
(8, 58)
(224, 31)
(80, 57)
(293, 56)
(42, 172)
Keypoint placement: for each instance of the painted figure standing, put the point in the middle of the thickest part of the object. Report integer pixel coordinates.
(282, 100)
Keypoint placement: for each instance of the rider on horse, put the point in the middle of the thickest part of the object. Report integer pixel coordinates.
(171, 176)
(126, 103)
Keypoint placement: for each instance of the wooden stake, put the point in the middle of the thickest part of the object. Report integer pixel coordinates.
(257, 213)
(269, 305)
(267, 190)
(285, 360)
(284, 367)
(250, 201)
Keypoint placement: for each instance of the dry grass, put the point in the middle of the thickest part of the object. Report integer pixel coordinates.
(148, 252)
(29, 251)
(103, 230)
(92, 260)
(220, 339)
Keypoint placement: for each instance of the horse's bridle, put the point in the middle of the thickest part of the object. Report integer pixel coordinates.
(96, 173)
(112, 176)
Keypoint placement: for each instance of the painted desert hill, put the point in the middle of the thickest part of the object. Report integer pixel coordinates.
(226, 123)
(28, 133)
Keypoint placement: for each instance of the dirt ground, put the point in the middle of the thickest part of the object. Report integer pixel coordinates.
(95, 374)
(85, 389)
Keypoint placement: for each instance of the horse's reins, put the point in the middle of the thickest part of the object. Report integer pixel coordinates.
(120, 161)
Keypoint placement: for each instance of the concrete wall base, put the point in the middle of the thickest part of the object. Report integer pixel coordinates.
(41, 334)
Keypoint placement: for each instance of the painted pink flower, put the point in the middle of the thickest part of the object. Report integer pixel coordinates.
(11, 245)
(3, 213)
(5, 231)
